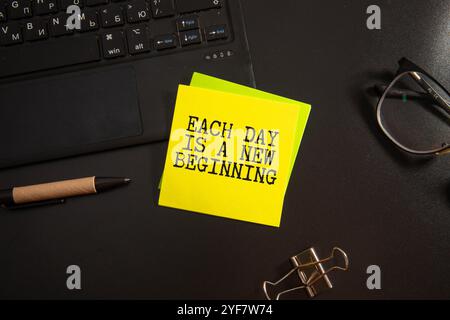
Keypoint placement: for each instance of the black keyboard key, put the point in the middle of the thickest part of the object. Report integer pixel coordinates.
(138, 39)
(66, 3)
(166, 41)
(113, 45)
(18, 9)
(42, 7)
(137, 10)
(111, 16)
(188, 38)
(91, 3)
(35, 29)
(2, 12)
(216, 32)
(162, 8)
(88, 20)
(184, 6)
(44, 55)
(10, 33)
(58, 25)
(187, 23)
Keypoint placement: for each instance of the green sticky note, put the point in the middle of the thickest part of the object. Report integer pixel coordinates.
(208, 82)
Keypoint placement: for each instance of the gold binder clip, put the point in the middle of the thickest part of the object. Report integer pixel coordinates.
(311, 272)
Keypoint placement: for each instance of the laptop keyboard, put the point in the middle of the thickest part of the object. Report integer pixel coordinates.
(36, 32)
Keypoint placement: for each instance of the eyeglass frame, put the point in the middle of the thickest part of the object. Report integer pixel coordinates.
(408, 67)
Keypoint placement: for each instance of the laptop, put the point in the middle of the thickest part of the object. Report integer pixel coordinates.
(109, 81)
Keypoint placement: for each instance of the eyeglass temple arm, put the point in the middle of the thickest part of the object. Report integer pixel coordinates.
(406, 65)
(400, 93)
(441, 102)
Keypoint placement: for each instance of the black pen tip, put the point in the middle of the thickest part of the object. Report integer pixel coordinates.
(126, 180)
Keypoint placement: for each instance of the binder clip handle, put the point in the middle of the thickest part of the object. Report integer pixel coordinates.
(317, 276)
(274, 284)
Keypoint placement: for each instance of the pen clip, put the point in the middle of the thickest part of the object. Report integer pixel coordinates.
(34, 204)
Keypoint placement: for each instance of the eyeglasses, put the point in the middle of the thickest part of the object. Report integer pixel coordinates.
(414, 111)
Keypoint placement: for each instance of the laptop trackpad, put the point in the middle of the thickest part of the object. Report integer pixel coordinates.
(49, 117)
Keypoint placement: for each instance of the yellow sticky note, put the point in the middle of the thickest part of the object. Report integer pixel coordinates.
(209, 82)
(229, 155)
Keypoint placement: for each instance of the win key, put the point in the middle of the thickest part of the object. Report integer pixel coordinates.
(190, 37)
(113, 44)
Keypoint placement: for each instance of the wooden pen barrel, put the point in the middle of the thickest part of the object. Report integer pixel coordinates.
(54, 190)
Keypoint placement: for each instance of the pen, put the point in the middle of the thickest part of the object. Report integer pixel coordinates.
(56, 192)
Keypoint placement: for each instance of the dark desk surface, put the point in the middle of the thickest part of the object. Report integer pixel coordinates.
(350, 187)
